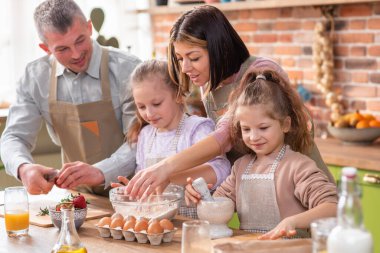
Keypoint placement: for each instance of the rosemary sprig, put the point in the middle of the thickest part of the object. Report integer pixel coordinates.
(43, 212)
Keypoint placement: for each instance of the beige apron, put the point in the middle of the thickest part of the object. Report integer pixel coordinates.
(257, 206)
(151, 159)
(87, 132)
(257, 203)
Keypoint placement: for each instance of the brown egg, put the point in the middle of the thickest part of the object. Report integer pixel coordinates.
(129, 217)
(166, 224)
(116, 215)
(105, 221)
(155, 228)
(117, 222)
(152, 220)
(143, 219)
(141, 225)
(129, 224)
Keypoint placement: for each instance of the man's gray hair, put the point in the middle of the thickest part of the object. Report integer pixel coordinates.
(56, 16)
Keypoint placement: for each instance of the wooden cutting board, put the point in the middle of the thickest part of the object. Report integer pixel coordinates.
(51, 199)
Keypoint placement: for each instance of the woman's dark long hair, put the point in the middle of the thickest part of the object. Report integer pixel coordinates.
(207, 27)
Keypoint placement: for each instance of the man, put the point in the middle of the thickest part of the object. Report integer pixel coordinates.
(82, 92)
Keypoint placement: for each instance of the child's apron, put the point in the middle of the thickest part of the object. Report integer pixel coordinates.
(257, 202)
(151, 159)
(87, 132)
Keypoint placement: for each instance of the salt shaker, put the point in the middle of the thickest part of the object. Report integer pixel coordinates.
(200, 186)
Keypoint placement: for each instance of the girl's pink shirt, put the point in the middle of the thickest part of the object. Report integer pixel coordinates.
(222, 133)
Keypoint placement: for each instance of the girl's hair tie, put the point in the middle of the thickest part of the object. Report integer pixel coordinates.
(261, 76)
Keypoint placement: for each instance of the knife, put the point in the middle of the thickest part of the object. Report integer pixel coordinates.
(52, 176)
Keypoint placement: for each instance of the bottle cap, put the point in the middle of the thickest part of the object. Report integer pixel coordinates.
(349, 172)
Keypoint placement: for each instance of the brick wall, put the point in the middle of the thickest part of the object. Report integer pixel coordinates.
(286, 35)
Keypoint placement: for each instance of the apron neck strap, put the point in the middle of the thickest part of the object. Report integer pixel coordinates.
(104, 78)
(53, 82)
(104, 75)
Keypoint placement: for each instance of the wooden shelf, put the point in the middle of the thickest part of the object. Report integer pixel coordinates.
(252, 4)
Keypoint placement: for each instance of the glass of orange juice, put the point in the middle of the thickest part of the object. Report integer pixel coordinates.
(16, 211)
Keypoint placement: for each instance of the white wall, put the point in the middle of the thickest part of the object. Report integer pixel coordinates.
(19, 40)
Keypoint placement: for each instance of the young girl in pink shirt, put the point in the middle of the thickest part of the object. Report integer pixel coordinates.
(276, 190)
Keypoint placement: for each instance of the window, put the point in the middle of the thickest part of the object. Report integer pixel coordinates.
(19, 40)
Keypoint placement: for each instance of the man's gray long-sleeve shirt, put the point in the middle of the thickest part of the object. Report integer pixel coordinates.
(31, 108)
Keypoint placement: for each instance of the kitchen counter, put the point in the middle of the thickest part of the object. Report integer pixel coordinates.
(43, 239)
(334, 152)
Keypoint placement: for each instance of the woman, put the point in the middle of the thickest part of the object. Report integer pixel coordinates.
(205, 50)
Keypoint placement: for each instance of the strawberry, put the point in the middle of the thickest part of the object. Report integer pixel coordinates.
(58, 207)
(79, 202)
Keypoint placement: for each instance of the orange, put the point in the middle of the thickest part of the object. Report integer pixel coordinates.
(358, 115)
(369, 117)
(374, 123)
(362, 124)
(355, 118)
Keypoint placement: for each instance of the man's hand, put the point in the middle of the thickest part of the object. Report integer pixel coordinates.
(77, 173)
(34, 178)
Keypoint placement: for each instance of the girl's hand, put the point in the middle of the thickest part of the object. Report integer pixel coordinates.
(145, 181)
(191, 195)
(123, 181)
(286, 228)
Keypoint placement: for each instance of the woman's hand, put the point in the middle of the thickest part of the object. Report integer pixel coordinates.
(286, 228)
(191, 195)
(161, 188)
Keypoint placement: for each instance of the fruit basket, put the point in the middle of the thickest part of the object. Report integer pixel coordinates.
(161, 206)
(363, 136)
(355, 128)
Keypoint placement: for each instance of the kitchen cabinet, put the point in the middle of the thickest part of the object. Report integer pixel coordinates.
(365, 158)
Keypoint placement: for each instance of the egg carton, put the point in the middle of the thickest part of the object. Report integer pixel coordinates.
(141, 237)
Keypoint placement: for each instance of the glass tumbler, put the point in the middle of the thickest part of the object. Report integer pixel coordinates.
(16, 211)
(320, 230)
(196, 237)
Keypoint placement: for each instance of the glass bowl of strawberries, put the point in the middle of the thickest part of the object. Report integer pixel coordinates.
(80, 210)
